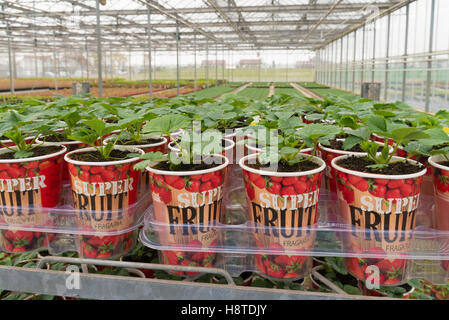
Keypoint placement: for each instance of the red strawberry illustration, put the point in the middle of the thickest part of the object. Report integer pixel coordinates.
(165, 195)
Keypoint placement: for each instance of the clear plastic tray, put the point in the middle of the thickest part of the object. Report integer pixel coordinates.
(426, 252)
(61, 229)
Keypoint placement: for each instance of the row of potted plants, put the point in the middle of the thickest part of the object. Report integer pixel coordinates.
(282, 182)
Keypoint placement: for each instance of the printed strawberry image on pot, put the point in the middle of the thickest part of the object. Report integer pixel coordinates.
(189, 205)
(328, 154)
(228, 146)
(440, 172)
(27, 187)
(381, 210)
(425, 210)
(189, 258)
(282, 206)
(70, 145)
(156, 144)
(105, 196)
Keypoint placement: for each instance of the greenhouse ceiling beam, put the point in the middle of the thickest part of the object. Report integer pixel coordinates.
(175, 16)
(104, 12)
(83, 5)
(57, 17)
(226, 19)
(356, 21)
(307, 8)
(394, 7)
(322, 19)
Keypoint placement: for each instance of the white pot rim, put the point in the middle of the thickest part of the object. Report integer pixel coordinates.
(234, 132)
(252, 148)
(9, 140)
(231, 145)
(345, 152)
(6, 150)
(375, 175)
(283, 174)
(164, 140)
(61, 143)
(102, 163)
(433, 162)
(193, 172)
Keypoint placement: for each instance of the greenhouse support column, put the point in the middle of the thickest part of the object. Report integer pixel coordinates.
(129, 64)
(341, 63)
(87, 61)
(100, 73)
(154, 63)
(177, 58)
(216, 63)
(387, 60)
(223, 66)
(207, 63)
(195, 85)
(374, 51)
(150, 69)
(55, 63)
(353, 61)
(11, 64)
(404, 73)
(35, 63)
(286, 70)
(429, 61)
(363, 57)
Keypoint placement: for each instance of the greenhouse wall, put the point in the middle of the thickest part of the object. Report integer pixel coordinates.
(405, 51)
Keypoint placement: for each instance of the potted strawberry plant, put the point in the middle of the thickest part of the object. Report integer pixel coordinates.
(133, 121)
(378, 196)
(59, 136)
(31, 181)
(187, 189)
(282, 187)
(104, 186)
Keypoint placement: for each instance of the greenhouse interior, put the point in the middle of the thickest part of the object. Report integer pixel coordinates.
(107, 193)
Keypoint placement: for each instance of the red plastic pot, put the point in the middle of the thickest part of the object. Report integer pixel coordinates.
(144, 185)
(70, 145)
(189, 204)
(441, 195)
(381, 209)
(25, 186)
(104, 194)
(279, 204)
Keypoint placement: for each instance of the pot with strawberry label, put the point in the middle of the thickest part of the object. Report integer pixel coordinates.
(28, 187)
(381, 211)
(426, 203)
(9, 143)
(187, 207)
(376, 137)
(105, 197)
(149, 144)
(282, 206)
(440, 173)
(328, 154)
(70, 145)
(107, 246)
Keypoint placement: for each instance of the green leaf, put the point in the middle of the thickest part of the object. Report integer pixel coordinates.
(22, 154)
(351, 290)
(377, 124)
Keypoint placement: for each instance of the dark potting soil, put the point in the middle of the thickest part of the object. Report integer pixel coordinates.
(37, 152)
(283, 166)
(166, 166)
(338, 145)
(95, 156)
(141, 142)
(55, 138)
(396, 168)
(444, 163)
